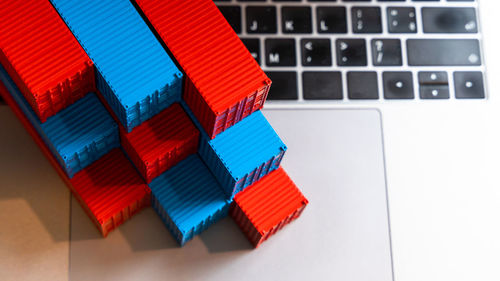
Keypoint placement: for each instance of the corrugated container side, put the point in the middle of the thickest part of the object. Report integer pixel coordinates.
(217, 167)
(245, 224)
(188, 199)
(243, 153)
(27, 111)
(199, 107)
(42, 57)
(267, 206)
(190, 114)
(82, 133)
(133, 71)
(161, 142)
(110, 190)
(118, 209)
(78, 135)
(179, 236)
(226, 80)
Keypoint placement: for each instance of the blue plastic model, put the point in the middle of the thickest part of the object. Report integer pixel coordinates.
(188, 199)
(77, 135)
(243, 153)
(134, 73)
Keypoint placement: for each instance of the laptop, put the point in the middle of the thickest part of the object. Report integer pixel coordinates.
(422, 66)
(386, 110)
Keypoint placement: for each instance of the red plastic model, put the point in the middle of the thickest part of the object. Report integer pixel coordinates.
(267, 205)
(42, 57)
(110, 191)
(224, 83)
(107, 202)
(161, 142)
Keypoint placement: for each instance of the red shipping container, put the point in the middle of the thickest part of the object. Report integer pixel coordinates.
(161, 142)
(154, 148)
(110, 190)
(42, 56)
(267, 205)
(224, 83)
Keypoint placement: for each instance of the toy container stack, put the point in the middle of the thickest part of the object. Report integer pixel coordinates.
(153, 103)
(42, 57)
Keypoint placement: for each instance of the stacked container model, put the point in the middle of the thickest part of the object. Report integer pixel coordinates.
(107, 196)
(243, 153)
(77, 135)
(188, 199)
(267, 205)
(224, 83)
(238, 158)
(134, 73)
(43, 58)
(161, 142)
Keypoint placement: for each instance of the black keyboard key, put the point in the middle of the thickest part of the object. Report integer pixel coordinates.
(233, 16)
(386, 52)
(253, 46)
(284, 86)
(296, 20)
(261, 19)
(331, 19)
(434, 92)
(316, 52)
(401, 20)
(398, 85)
(351, 52)
(443, 52)
(280, 52)
(433, 78)
(366, 20)
(326, 85)
(362, 85)
(469, 85)
(449, 20)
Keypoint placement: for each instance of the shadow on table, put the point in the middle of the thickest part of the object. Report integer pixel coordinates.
(26, 174)
(225, 236)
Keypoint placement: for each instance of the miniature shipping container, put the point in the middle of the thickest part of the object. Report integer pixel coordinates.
(43, 58)
(134, 73)
(243, 153)
(188, 199)
(224, 83)
(266, 206)
(78, 135)
(161, 142)
(110, 190)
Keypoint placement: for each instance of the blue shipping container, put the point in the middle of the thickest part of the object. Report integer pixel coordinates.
(243, 153)
(77, 135)
(134, 73)
(188, 199)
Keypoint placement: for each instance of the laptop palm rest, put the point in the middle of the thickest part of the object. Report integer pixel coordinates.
(334, 156)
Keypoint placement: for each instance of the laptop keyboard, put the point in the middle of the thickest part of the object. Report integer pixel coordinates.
(373, 51)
